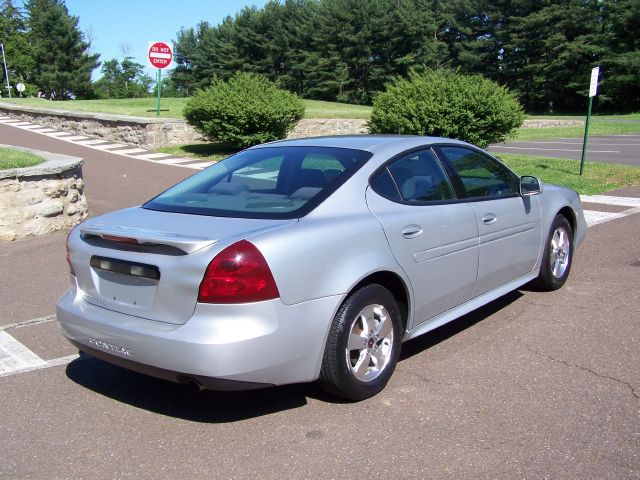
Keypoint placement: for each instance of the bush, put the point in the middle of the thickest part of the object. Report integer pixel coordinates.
(443, 103)
(245, 111)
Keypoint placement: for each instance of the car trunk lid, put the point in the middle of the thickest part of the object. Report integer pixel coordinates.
(150, 264)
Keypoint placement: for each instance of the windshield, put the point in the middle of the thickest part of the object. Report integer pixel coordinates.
(271, 182)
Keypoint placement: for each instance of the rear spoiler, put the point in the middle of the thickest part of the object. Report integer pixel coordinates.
(186, 243)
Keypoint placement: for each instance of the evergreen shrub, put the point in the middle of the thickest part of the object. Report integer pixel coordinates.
(444, 103)
(246, 110)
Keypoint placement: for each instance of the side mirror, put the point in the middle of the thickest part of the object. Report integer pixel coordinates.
(530, 186)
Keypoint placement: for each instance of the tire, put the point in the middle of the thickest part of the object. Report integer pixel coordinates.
(357, 371)
(558, 255)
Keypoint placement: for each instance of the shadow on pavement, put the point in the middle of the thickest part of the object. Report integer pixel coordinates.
(176, 400)
(428, 340)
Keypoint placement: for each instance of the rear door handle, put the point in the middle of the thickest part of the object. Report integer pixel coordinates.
(489, 218)
(412, 231)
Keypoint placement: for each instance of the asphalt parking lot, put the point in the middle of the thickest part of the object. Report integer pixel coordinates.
(623, 149)
(534, 385)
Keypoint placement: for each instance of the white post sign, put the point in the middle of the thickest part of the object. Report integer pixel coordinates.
(593, 88)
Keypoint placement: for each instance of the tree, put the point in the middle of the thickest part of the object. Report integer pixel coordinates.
(620, 65)
(63, 65)
(18, 52)
(125, 79)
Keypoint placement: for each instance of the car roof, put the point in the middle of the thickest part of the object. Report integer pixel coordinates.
(369, 143)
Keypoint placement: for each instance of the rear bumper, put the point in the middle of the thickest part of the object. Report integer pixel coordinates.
(222, 347)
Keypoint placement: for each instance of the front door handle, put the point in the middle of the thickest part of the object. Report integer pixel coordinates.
(412, 231)
(489, 218)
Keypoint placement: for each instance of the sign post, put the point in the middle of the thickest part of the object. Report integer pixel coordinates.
(160, 56)
(4, 68)
(593, 89)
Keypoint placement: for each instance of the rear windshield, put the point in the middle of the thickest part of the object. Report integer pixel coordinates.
(271, 182)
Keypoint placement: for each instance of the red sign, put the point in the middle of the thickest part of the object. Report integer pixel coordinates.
(160, 54)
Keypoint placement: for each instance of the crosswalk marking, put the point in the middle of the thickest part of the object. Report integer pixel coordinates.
(59, 134)
(199, 166)
(91, 142)
(151, 156)
(75, 137)
(611, 200)
(132, 150)
(174, 161)
(108, 146)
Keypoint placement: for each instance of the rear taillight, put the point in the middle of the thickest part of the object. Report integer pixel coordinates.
(238, 274)
(66, 245)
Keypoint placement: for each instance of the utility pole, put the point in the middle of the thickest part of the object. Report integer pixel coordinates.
(4, 67)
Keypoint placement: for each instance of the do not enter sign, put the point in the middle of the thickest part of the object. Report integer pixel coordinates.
(160, 54)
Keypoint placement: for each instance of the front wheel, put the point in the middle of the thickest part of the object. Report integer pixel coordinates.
(363, 345)
(558, 255)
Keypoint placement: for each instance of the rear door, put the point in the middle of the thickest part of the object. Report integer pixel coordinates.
(432, 234)
(508, 224)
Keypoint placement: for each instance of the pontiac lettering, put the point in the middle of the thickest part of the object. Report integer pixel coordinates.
(110, 347)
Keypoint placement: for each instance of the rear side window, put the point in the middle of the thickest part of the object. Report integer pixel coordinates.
(270, 182)
(415, 178)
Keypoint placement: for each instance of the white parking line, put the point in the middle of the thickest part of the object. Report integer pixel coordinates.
(591, 142)
(554, 149)
(15, 357)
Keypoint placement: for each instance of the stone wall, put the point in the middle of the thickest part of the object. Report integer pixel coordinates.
(41, 199)
(550, 123)
(157, 132)
(314, 127)
(140, 131)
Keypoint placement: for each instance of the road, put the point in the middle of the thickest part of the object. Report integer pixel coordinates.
(534, 385)
(623, 149)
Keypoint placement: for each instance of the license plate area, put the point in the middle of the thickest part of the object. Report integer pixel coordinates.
(125, 283)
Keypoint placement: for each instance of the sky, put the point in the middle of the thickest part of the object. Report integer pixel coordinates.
(114, 24)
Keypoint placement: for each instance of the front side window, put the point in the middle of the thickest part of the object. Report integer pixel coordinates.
(271, 182)
(414, 178)
(480, 175)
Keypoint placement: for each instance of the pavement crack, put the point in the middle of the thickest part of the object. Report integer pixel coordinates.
(424, 378)
(633, 390)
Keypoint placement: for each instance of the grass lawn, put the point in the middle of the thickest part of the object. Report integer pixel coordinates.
(205, 151)
(597, 127)
(146, 107)
(10, 158)
(596, 178)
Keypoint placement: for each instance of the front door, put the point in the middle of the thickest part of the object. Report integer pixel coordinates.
(432, 234)
(508, 224)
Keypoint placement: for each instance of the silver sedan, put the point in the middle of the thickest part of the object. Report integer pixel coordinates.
(311, 259)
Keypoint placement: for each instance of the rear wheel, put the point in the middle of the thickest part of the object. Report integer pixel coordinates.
(558, 254)
(363, 346)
